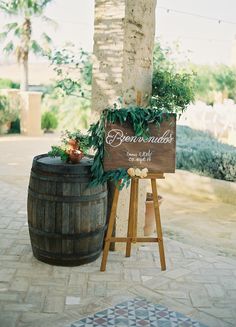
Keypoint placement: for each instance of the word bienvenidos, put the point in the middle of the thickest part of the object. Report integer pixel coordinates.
(116, 137)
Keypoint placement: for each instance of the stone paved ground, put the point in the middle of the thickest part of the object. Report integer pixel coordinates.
(196, 283)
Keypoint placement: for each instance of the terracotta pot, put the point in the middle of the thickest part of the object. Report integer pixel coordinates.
(75, 156)
(150, 224)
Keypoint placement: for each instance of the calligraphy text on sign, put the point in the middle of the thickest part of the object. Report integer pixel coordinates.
(123, 149)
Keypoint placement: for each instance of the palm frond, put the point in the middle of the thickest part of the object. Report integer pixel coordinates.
(36, 47)
(50, 21)
(18, 31)
(10, 26)
(45, 2)
(9, 47)
(9, 8)
(3, 36)
(46, 38)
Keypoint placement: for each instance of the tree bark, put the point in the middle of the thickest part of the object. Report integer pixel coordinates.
(24, 85)
(123, 52)
(122, 68)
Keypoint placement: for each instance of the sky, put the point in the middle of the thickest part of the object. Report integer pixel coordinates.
(204, 29)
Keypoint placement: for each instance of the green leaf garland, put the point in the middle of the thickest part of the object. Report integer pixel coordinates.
(139, 118)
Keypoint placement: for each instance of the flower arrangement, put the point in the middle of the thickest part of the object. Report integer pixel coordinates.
(78, 144)
(139, 118)
(74, 146)
(132, 172)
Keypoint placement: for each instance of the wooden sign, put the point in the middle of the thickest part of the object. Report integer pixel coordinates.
(157, 153)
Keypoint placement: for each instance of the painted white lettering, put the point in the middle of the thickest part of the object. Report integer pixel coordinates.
(116, 137)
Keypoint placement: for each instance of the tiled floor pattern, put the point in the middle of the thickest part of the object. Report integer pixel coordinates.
(197, 282)
(137, 312)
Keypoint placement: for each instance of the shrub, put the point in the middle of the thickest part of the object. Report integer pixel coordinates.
(8, 84)
(172, 86)
(209, 79)
(199, 152)
(14, 127)
(8, 112)
(49, 121)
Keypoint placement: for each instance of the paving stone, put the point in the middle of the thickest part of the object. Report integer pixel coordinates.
(216, 272)
(218, 312)
(20, 284)
(15, 225)
(21, 307)
(6, 243)
(174, 294)
(156, 282)
(229, 283)
(30, 319)
(36, 295)
(6, 274)
(54, 304)
(132, 275)
(77, 279)
(145, 278)
(104, 276)
(210, 320)
(196, 282)
(48, 281)
(72, 300)
(9, 258)
(10, 297)
(9, 319)
(4, 286)
(145, 292)
(174, 274)
(215, 290)
(202, 278)
(200, 299)
(16, 250)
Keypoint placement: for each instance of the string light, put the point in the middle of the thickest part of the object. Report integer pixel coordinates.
(219, 21)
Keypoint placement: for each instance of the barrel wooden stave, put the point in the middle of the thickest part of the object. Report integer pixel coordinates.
(67, 219)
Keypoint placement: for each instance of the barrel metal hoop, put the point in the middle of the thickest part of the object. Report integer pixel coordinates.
(77, 258)
(68, 199)
(53, 177)
(67, 236)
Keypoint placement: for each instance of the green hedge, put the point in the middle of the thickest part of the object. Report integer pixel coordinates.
(8, 84)
(199, 152)
(49, 121)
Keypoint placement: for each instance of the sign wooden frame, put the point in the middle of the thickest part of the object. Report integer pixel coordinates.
(124, 150)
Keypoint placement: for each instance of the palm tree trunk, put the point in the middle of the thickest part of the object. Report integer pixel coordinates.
(24, 75)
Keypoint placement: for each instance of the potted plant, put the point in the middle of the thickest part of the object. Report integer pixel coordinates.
(73, 148)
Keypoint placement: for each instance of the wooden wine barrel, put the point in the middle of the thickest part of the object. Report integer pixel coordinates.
(67, 219)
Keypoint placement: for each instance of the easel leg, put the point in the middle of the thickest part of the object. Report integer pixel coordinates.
(158, 224)
(133, 213)
(109, 230)
(130, 221)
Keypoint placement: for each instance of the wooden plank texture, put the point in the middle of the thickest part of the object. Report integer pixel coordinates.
(123, 149)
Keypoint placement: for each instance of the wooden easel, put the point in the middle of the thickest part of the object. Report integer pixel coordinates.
(132, 222)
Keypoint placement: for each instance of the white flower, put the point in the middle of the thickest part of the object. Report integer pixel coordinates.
(144, 172)
(131, 172)
(137, 172)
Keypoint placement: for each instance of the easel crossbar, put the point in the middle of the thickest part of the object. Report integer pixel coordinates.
(133, 240)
